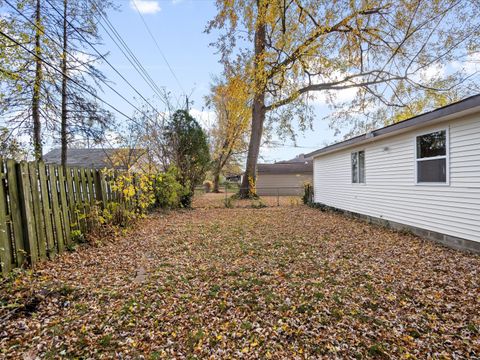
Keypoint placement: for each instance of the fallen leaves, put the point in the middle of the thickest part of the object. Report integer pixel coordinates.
(278, 282)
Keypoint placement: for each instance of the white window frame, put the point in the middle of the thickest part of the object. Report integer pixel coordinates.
(358, 164)
(446, 156)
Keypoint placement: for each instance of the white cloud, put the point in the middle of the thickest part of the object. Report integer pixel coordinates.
(322, 98)
(145, 6)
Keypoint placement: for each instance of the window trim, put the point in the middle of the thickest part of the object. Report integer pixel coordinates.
(364, 168)
(446, 157)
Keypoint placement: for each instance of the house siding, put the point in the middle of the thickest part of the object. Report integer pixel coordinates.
(284, 185)
(390, 192)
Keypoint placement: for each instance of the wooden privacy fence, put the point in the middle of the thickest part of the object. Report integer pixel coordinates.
(40, 206)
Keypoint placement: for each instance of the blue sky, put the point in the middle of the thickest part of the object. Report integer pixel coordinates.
(178, 26)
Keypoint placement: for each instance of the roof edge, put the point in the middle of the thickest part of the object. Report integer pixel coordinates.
(421, 119)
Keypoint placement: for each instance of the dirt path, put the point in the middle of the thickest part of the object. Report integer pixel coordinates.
(277, 282)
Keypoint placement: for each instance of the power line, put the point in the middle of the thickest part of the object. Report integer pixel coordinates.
(128, 55)
(158, 47)
(76, 59)
(131, 57)
(102, 56)
(68, 77)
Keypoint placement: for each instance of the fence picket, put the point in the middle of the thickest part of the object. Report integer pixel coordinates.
(47, 212)
(80, 211)
(15, 211)
(64, 204)
(6, 255)
(83, 179)
(37, 210)
(73, 218)
(53, 180)
(100, 188)
(90, 181)
(30, 238)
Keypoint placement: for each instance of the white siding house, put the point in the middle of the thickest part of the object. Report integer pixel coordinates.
(423, 173)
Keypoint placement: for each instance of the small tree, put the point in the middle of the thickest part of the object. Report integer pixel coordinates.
(188, 151)
(229, 99)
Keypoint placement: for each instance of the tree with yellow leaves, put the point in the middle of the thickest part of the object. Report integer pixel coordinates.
(230, 100)
(382, 48)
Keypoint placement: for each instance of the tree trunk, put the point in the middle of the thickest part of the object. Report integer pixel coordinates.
(247, 188)
(37, 126)
(64, 124)
(216, 182)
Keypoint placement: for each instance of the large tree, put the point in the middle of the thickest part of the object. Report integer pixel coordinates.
(26, 95)
(54, 38)
(383, 48)
(230, 100)
(77, 31)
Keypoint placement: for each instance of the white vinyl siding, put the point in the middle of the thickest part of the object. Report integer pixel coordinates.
(390, 191)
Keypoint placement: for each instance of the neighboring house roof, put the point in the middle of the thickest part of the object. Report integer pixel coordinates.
(95, 158)
(281, 168)
(467, 105)
(298, 159)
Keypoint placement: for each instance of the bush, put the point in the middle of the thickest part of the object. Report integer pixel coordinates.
(136, 194)
(100, 224)
(135, 191)
(118, 215)
(147, 191)
(168, 191)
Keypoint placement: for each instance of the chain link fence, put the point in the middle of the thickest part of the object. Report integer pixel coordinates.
(267, 196)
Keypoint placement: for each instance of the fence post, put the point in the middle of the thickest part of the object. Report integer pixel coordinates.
(226, 191)
(278, 197)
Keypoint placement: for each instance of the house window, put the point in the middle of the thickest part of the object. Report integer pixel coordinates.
(432, 157)
(358, 167)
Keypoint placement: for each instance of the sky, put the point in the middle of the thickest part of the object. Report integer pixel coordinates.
(180, 60)
(178, 28)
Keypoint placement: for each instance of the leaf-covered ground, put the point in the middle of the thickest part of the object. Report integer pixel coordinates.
(276, 282)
